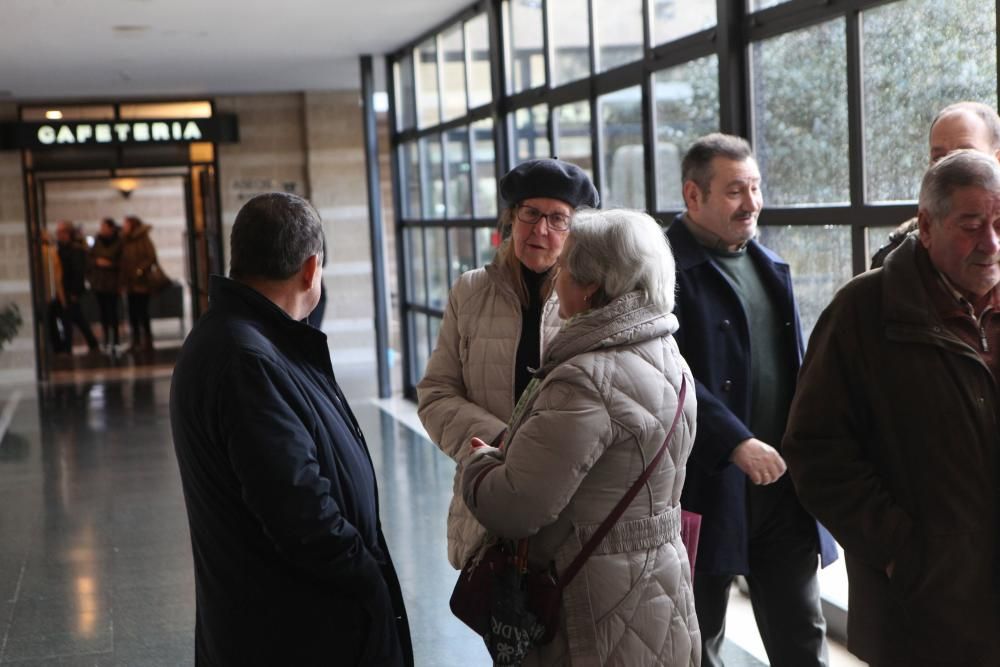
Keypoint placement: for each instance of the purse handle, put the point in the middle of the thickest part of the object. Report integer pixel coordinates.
(616, 513)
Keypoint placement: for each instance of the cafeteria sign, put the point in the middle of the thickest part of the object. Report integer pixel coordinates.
(123, 132)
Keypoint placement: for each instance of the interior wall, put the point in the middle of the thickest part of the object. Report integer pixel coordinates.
(17, 358)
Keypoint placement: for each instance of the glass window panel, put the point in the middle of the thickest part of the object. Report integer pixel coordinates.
(526, 56)
(484, 169)
(453, 74)
(420, 344)
(194, 109)
(764, 4)
(437, 267)
(573, 135)
(951, 39)
(531, 139)
(69, 112)
(686, 107)
(618, 32)
(409, 162)
(800, 116)
(487, 240)
(673, 19)
(569, 39)
(621, 149)
(433, 195)
(477, 41)
(459, 173)
(426, 74)
(403, 73)
(463, 256)
(416, 287)
(820, 260)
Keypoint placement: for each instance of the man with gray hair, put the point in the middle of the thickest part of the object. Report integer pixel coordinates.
(960, 125)
(892, 439)
(291, 567)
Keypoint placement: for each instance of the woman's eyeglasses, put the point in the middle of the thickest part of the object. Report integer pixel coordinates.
(531, 215)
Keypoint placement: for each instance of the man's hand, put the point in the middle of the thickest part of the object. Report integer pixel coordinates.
(760, 461)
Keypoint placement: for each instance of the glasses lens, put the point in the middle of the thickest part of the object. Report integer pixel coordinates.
(528, 214)
(558, 221)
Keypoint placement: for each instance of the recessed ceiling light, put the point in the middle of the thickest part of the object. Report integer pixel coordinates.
(53, 114)
(129, 29)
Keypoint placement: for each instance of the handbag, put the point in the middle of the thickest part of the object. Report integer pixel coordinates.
(154, 278)
(514, 609)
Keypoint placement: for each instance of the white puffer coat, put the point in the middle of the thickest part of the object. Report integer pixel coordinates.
(609, 394)
(468, 386)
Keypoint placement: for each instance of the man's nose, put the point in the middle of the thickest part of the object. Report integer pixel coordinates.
(989, 240)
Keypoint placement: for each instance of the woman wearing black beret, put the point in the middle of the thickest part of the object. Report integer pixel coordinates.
(498, 320)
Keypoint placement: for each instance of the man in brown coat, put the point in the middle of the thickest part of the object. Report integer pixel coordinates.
(892, 441)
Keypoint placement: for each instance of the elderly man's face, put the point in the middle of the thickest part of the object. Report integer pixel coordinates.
(965, 244)
(961, 129)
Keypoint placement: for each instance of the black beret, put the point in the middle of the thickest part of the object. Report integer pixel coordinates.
(552, 178)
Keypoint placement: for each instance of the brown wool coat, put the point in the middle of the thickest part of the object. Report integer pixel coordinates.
(138, 253)
(893, 444)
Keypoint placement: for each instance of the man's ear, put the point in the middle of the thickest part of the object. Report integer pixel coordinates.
(692, 196)
(312, 270)
(924, 227)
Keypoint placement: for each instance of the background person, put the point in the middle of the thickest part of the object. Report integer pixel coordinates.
(104, 276)
(291, 566)
(72, 251)
(961, 125)
(498, 321)
(581, 435)
(137, 255)
(740, 332)
(892, 438)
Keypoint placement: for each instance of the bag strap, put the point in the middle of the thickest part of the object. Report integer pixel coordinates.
(616, 513)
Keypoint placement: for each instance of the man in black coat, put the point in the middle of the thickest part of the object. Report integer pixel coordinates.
(291, 567)
(73, 257)
(740, 334)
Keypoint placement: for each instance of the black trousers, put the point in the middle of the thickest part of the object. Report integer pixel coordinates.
(108, 304)
(784, 592)
(138, 318)
(72, 315)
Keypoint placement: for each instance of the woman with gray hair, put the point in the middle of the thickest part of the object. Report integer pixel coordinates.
(593, 418)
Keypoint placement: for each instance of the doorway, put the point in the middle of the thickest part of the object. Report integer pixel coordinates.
(179, 208)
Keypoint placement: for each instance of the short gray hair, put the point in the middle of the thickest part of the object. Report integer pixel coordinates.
(960, 169)
(620, 251)
(274, 234)
(984, 112)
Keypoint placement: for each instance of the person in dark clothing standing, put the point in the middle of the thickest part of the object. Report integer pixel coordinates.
(291, 566)
(73, 259)
(740, 333)
(137, 256)
(105, 274)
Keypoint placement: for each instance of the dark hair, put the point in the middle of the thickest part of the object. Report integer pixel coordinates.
(697, 163)
(274, 234)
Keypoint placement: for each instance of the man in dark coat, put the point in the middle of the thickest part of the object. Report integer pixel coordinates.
(740, 334)
(291, 566)
(72, 252)
(892, 439)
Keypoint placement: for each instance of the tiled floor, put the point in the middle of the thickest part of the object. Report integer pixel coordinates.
(95, 563)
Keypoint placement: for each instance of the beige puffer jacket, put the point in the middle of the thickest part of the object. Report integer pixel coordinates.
(609, 393)
(468, 387)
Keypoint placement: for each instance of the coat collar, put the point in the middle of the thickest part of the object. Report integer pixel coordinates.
(231, 296)
(688, 253)
(625, 320)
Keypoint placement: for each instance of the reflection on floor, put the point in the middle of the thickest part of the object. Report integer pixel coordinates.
(95, 563)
